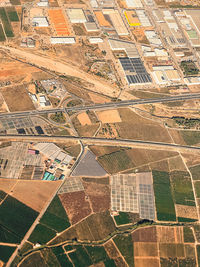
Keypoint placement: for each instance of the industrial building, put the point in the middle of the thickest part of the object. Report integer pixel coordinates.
(134, 4)
(132, 65)
(91, 27)
(40, 22)
(153, 38)
(132, 18)
(143, 18)
(95, 40)
(62, 40)
(165, 75)
(117, 21)
(76, 15)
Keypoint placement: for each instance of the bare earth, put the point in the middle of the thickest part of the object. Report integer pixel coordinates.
(84, 119)
(109, 116)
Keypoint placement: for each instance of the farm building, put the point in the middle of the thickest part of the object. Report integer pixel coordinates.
(91, 27)
(76, 15)
(40, 22)
(62, 40)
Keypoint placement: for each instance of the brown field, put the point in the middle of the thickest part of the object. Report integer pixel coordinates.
(147, 234)
(95, 227)
(160, 166)
(168, 234)
(150, 262)
(84, 119)
(13, 97)
(99, 196)
(186, 211)
(142, 249)
(119, 262)
(176, 136)
(190, 251)
(176, 164)
(191, 160)
(34, 194)
(111, 249)
(87, 130)
(76, 205)
(102, 150)
(98, 99)
(134, 126)
(172, 250)
(109, 116)
(15, 68)
(6, 185)
(27, 173)
(59, 21)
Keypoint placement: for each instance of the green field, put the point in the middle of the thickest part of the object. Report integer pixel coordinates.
(163, 196)
(198, 253)
(2, 195)
(122, 218)
(16, 216)
(110, 263)
(15, 2)
(182, 188)
(6, 23)
(6, 236)
(197, 188)
(97, 253)
(195, 170)
(41, 234)
(12, 14)
(2, 35)
(191, 137)
(6, 252)
(188, 235)
(125, 246)
(80, 257)
(55, 217)
(182, 219)
(49, 257)
(116, 161)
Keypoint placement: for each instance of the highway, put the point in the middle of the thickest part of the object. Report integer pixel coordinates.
(103, 106)
(104, 141)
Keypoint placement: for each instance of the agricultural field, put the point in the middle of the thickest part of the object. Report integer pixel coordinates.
(6, 22)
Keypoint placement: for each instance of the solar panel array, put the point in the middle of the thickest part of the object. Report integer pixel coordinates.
(135, 70)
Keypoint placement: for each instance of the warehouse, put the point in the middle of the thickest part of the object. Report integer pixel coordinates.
(91, 27)
(144, 20)
(132, 18)
(95, 40)
(116, 21)
(134, 4)
(76, 15)
(40, 22)
(62, 40)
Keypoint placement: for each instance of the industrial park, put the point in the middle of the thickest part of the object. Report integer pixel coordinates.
(100, 133)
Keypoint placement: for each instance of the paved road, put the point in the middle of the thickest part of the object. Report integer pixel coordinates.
(103, 106)
(104, 141)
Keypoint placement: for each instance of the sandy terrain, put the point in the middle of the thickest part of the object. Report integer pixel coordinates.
(97, 84)
(98, 99)
(84, 119)
(7, 184)
(109, 116)
(34, 194)
(13, 97)
(186, 212)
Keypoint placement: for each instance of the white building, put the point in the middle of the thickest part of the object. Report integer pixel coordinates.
(95, 40)
(62, 40)
(40, 22)
(76, 15)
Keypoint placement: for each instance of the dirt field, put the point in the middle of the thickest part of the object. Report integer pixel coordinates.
(191, 160)
(99, 196)
(59, 21)
(176, 164)
(134, 126)
(13, 97)
(84, 119)
(109, 116)
(186, 212)
(98, 99)
(76, 205)
(34, 194)
(172, 250)
(147, 234)
(6, 185)
(150, 262)
(142, 249)
(170, 234)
